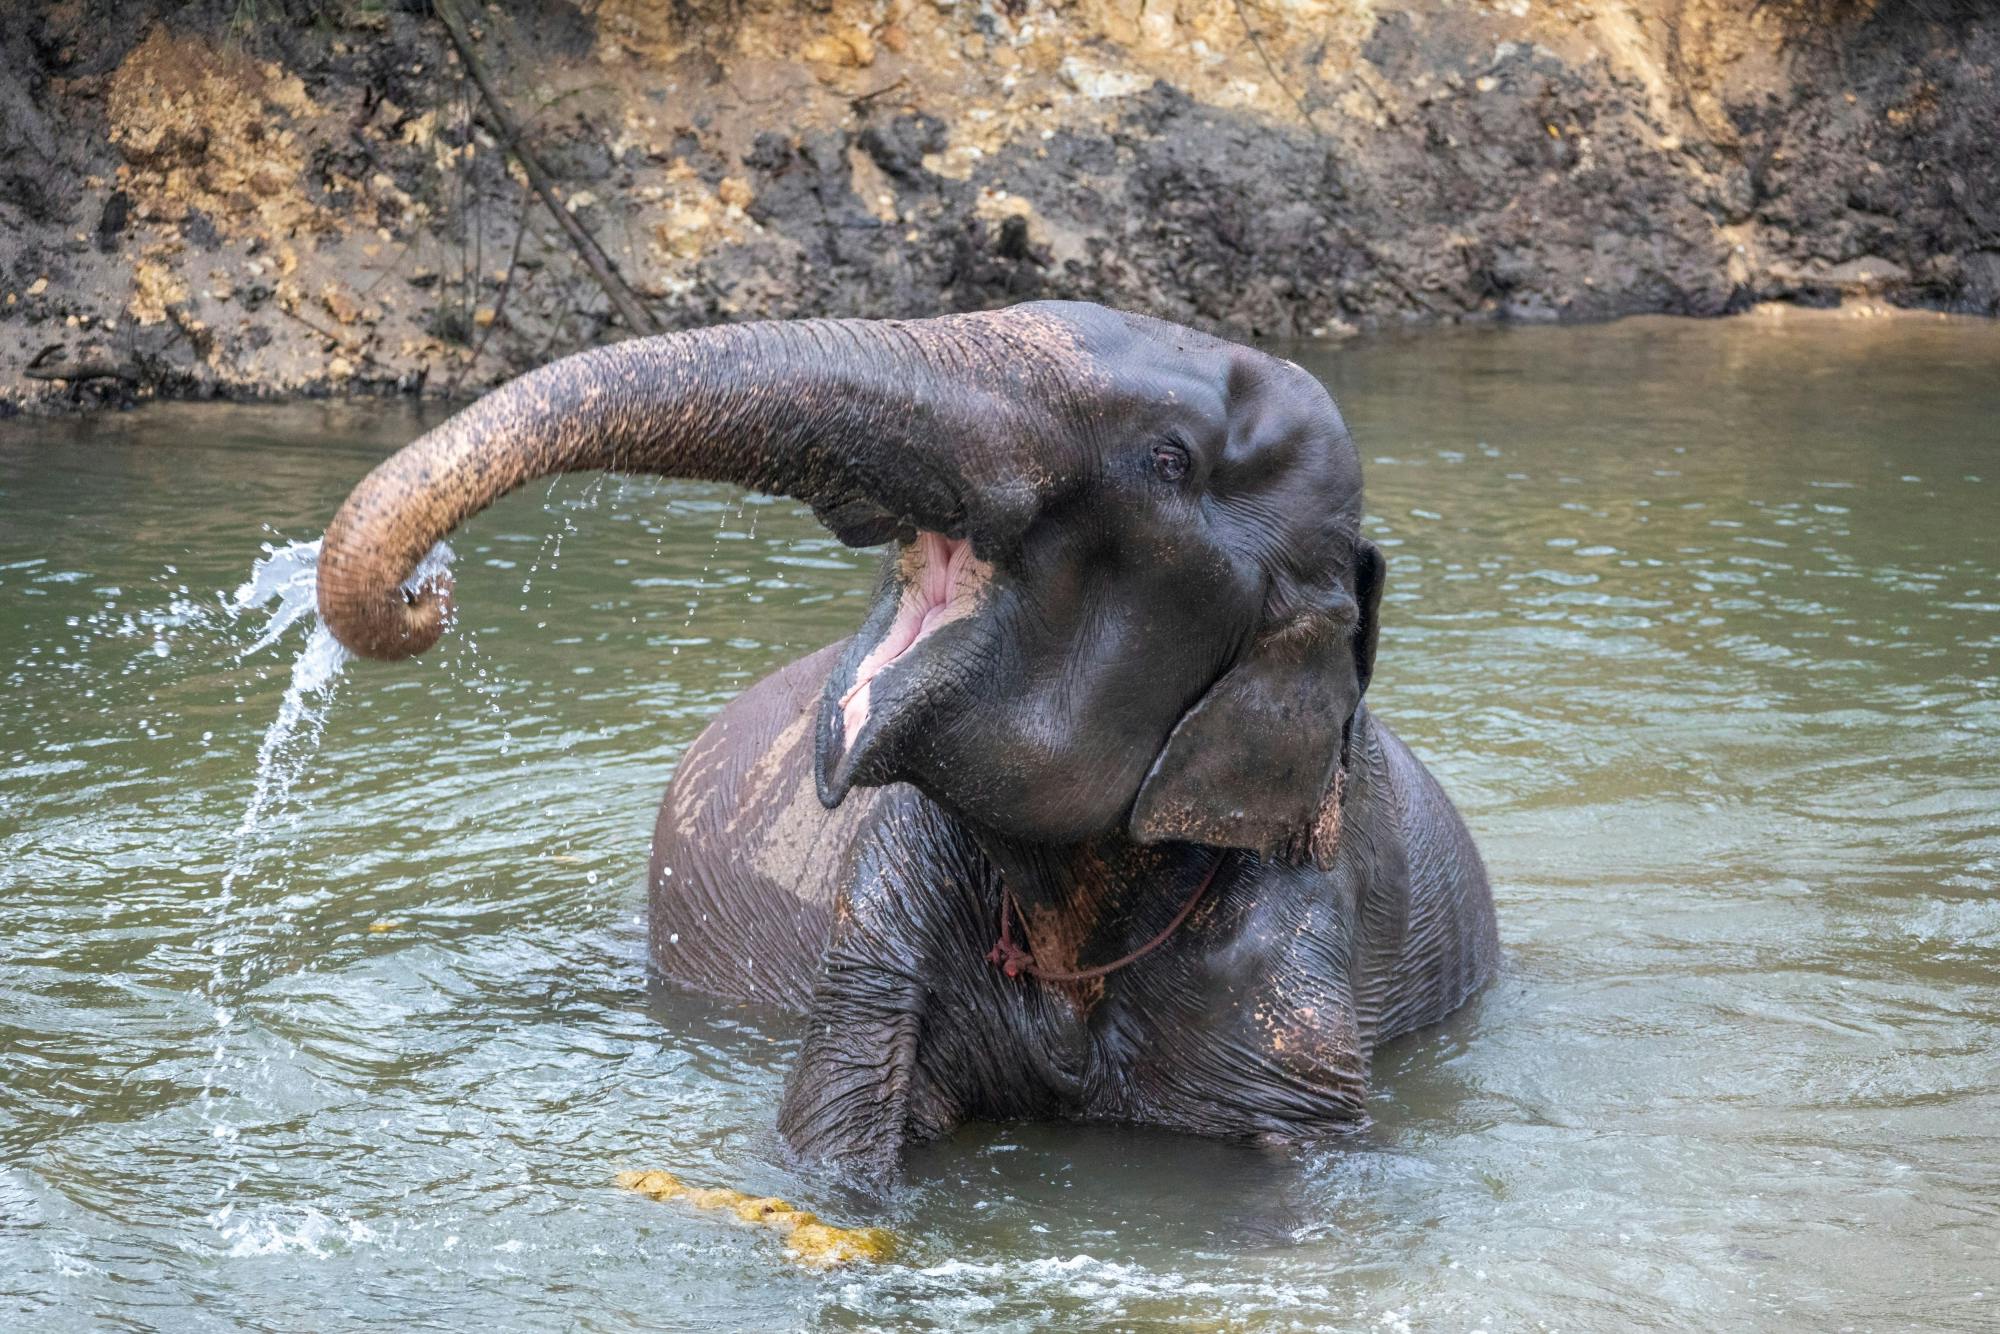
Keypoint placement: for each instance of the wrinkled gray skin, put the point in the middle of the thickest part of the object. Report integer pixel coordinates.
(1119, 650)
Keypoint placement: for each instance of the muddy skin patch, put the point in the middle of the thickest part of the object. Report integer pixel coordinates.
(808, 1242)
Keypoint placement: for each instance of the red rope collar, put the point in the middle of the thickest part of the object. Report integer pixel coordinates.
(1014, 960)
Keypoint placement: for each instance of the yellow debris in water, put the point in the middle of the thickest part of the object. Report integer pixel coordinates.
(386, 924)
(808, 1241)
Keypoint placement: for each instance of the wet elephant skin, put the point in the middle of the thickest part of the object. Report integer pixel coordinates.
(1119, 649)
(1256, 1019)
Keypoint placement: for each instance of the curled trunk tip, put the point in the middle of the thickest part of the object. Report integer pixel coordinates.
(376, 613)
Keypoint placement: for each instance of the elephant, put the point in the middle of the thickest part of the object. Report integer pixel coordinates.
(1089, 819)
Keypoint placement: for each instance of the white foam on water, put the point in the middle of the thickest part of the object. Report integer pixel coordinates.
(276, 1231)
(954, 1290)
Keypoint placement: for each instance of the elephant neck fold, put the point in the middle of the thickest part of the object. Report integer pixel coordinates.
(1015, 960)
(1060, 907)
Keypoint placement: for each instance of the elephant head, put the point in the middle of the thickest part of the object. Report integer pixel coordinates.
(1127, 586)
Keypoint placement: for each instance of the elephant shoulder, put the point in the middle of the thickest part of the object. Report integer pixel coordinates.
(751, 755)
(1447, 944)
(746, 863)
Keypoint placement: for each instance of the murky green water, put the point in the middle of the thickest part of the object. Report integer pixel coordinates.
(1699, 623)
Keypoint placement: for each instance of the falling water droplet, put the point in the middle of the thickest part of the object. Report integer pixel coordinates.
(285, 581)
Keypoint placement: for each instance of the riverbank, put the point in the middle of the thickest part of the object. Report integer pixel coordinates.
(215, 202)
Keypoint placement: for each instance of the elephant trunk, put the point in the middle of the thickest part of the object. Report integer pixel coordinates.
(883, 428)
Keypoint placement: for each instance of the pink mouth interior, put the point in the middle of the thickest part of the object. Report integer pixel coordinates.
(932, 596)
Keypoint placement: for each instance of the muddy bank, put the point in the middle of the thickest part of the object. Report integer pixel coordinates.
(311, 195)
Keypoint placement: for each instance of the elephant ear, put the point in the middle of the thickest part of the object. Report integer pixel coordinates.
(1256, 762)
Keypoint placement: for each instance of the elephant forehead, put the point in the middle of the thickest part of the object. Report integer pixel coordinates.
(1035, 349)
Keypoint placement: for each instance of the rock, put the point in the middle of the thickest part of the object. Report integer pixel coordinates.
(156, 290)
(1865, 275)
(1098, 82)
(339, 304)
(899, 148)
(112, 220)
(850, 47)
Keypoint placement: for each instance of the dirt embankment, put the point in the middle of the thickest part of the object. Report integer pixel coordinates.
(310, 195)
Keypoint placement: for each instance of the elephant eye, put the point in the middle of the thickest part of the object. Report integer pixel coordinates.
(1170, 461)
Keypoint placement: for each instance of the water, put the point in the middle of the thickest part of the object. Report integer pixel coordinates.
(1699, 623)
(284, 582)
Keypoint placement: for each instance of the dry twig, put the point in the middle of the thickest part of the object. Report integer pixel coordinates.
(499, 298)
(621, 296)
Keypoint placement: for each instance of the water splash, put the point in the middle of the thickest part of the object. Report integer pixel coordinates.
(288, 577)
(285, 582)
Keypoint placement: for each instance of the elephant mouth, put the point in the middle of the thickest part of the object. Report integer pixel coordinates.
(941, 581)
(878, 713)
